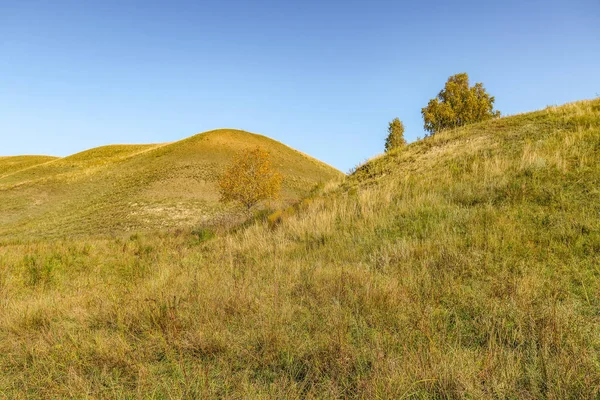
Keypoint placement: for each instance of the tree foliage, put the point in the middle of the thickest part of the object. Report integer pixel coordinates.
(250, 179)
(458, 104)
(395, 138)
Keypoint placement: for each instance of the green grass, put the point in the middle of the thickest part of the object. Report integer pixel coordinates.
(464, 266)
(126, 188)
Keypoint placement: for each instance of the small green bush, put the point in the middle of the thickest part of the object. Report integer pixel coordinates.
(203, 234)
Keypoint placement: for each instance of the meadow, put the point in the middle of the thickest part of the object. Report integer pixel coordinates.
(466, 265)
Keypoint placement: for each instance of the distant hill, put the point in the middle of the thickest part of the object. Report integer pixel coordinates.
(9, 165)
(120, 188)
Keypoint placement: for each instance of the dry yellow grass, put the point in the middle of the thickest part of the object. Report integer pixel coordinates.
(124, 188)
(463, 266)
(10, 165)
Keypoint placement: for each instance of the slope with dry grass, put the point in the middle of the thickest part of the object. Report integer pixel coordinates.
(120, 188)
(464, 266)
(10, 165)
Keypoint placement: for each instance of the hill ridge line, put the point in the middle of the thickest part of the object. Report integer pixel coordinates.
(28, 168)
(154, 146)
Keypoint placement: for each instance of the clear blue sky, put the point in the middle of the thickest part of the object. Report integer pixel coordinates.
(324, 77)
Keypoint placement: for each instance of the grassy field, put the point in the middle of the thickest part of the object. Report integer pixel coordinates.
(464, 266)
(129, 188)
(9, 165)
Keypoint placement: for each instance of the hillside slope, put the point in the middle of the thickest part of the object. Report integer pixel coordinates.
(12, 164)
(464, 266)
(119, 188)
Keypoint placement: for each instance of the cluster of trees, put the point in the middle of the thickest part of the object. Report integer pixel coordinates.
(251, 178)
(457, 104)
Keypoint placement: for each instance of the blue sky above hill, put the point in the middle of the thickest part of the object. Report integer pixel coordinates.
(324, 77)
